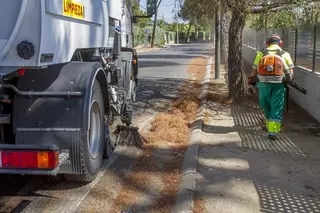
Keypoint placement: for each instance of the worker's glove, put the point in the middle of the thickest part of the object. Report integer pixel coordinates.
(288, 76)
(252, 80)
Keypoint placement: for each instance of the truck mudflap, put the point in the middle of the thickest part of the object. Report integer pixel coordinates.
(31, 159)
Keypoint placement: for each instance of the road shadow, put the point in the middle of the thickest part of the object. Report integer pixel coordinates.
(165, 56)
(201, 54)
(190, 44)
(143, 64)
(153, 96)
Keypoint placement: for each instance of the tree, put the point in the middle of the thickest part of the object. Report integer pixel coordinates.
(198, 12)
(185, 15)
(141, 22)
(240, 10)
(237, 78)
(290, 17)
(155, 22)
(225, 23)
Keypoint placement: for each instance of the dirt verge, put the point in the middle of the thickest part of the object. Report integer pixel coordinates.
(217, 93)
(153, 182)
(199, 204)
(172, 126)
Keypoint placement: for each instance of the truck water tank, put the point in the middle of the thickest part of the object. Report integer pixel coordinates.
(9, 23)
(115, 8)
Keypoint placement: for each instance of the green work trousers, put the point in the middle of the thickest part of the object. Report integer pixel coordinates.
(271, 100)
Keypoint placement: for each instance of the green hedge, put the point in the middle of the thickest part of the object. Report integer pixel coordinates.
(140, 35)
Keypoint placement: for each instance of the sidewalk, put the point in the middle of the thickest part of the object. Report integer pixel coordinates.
(239, 170)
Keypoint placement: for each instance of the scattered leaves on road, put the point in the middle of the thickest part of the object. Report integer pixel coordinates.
(154, 180)
(199, 204)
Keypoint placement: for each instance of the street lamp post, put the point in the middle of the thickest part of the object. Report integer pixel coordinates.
(177, 32)
(217, 44)
(175, 10)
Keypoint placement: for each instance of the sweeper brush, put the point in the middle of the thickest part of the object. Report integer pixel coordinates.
(129, 136)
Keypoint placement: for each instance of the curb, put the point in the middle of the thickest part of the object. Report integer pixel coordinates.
(184, 199)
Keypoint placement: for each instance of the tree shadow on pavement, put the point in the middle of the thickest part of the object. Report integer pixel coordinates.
(239, 166)
(251, 181)
(155, 94)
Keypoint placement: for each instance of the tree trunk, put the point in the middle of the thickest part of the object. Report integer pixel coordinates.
(213, 32)
(225, 23)
(187, 37)
(238, 83)
(196, 31)
(154, 27)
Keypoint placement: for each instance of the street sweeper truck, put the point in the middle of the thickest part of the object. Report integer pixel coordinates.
(68, 73)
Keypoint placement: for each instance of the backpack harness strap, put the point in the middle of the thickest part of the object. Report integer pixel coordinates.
(278, 52)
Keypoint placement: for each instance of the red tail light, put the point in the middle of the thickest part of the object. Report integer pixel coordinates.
(29, 159)
(21, 71)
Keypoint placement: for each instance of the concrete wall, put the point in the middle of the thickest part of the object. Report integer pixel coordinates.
(170, 38)
(308, 79)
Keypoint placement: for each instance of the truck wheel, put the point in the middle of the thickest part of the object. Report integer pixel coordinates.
(91, 151)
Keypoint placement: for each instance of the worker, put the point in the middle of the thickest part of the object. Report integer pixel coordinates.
(271, 66)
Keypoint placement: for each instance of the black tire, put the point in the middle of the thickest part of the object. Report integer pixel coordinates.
(91, 162)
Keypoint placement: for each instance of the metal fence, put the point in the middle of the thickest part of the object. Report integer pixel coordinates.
(302, 44)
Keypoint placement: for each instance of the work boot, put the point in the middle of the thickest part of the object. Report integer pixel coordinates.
(264, 128)
(272, 137)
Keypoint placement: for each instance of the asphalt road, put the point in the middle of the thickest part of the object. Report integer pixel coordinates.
(160, 74)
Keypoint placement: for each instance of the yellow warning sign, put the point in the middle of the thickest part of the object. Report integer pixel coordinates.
(73, 9)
